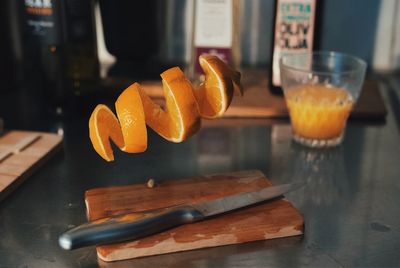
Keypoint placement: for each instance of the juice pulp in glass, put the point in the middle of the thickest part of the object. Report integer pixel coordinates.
(318, 111)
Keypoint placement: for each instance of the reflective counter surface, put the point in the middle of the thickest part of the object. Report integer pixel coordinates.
(350, 203)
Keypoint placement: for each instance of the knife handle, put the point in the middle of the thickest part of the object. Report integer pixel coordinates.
(128, 226)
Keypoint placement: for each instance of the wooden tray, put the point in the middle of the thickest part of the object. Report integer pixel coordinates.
(259, 102)
(269, 220)
(21, 153)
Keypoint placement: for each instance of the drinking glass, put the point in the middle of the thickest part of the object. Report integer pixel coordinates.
(320, 90)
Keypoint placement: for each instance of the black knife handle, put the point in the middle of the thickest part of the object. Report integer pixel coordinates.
(128, 227)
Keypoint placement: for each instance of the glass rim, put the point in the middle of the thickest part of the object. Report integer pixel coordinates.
(362, 63)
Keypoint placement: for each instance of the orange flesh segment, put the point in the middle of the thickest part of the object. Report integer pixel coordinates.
(103, 125)
(215, 94)
(181, 118)
(130, 113)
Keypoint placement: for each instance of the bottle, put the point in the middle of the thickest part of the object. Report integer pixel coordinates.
(80, 46)
(6, 63)
(216, 31)
(43, 51)
(60, 57)
(293, 32)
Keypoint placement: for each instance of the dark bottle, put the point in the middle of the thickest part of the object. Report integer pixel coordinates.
(43, 40)
(60, 56)
(80, 46)
(293, 32)
(6, 63)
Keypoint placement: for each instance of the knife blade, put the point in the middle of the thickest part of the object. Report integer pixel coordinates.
(140, 224)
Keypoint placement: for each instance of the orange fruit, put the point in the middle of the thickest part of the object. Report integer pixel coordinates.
(215, 94)
(128, 132)
(130, 114)
(181, 118)
(103, 125)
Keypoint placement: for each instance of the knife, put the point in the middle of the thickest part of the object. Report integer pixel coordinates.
(140, 224)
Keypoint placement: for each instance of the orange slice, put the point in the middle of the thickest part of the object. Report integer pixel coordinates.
(103, 125)
(181, 118)
(178, 121)
(215, 94)
(130, 114)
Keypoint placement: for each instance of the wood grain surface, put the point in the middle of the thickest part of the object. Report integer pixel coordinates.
(20, 159)
(268, 220)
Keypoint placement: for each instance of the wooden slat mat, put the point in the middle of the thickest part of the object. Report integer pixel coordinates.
(21, 153)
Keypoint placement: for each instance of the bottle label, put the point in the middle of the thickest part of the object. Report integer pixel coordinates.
(213, 29)
(294, 31)
(42, 21)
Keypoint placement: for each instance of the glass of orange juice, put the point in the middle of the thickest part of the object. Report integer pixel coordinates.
(320, 90)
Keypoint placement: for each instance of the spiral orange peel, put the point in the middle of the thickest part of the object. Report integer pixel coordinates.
(185, 106)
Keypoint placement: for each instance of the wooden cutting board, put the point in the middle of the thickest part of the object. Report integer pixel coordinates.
(268, 220)
(21, 153)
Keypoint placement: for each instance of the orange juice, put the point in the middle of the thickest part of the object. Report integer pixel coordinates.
(318, 111)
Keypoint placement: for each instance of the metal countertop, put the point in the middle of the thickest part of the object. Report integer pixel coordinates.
(350, 204)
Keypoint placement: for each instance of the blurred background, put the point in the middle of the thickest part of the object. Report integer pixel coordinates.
(102, 44)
